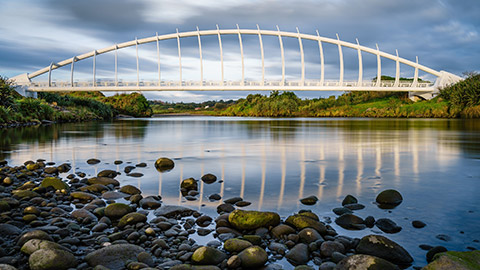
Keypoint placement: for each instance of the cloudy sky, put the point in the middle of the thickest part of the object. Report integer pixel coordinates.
(444, 34)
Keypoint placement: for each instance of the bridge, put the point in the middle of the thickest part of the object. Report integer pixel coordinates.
(416, 88)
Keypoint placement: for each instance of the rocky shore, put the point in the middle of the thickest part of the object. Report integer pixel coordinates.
(80, 222)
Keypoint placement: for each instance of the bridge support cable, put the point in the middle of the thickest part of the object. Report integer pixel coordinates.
(138, 64)
(94, 68)
(397, 71)
(72, 69)
(340, 54)
(283, 56)
(116, 65)
(221, 54)
(179, 58)
(200, 53)
(302, 57)
(360, 65)
(322, 61)
(241, 54)
(415, 76)
(263, 55)
(158, 58)
(379, 68)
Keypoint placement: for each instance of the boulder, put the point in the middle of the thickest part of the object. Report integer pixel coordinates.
(150, 202)
(131, 218)
(33, 245)
(117, 210)
(114, 256)
(349, 199)
(382, 247)
(281, 230)
(208, 256)
(310, 200)
(36, 234)
(365, 262)
(298, 255)
(455, 260)
(350, 222)
(103, 181)
(164, 164)
(209, 178)
(51, 259)
(329, 247)
(54, 182)
(306, 220)
(309, 235)
(236, 245)
(253, 257)
(250, 220)
(389, 198)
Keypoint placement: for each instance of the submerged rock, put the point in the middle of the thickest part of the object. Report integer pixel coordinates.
(250, 220)
(382, 247)
(418, 224)
(366, 262)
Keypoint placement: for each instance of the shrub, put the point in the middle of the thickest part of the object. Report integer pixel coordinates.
(464, 93)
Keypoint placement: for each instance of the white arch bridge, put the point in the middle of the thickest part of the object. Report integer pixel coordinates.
(415, 88)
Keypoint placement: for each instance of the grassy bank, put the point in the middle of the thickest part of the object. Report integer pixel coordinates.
(71, 107)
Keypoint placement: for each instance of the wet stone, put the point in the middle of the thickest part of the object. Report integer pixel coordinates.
(418, 224)
(387, 225)
(311, 200)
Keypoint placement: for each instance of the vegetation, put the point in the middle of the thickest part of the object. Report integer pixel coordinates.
(134, 104)
(160, 107)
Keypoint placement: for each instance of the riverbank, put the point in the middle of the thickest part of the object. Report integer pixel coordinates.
(53, 218)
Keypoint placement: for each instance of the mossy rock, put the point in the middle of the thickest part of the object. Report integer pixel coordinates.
(33, 245)
(236, 245)
(117, 210)
(208, 256)
(35, 234)
(54, 182)
(366, 262)
(50, 259)
(98, 188)
(250, 220)
(382, 247)
(164, 164)
(189, 184)
(304, 220)
(4, 207)
(24, 194)
(107, 173)
(33, 167)
(131, 190)
(253, 257)
(82, 196)
(131, 218)
(467, 260)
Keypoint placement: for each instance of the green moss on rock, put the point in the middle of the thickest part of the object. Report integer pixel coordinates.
(250, 220)
(54, 182)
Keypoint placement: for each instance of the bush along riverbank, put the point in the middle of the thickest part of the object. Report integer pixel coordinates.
(16, 110)
(51, 218)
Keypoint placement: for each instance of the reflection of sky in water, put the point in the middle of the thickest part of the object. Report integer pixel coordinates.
(273, 163)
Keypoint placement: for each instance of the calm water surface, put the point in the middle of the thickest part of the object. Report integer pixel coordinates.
(273, 163)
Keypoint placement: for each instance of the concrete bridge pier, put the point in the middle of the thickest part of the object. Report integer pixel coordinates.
(445, 79)
(21, 83)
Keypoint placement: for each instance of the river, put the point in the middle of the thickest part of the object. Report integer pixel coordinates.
(435, 164)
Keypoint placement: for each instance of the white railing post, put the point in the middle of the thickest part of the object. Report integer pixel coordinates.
(50, 75)
(179, 57)
(415, 76)
(397, 71)
(322, 61)
(116, 65)
(360, 65)
(94, 68)
(241, 53)
(201, 58)
(263, 56)
(340, 54)
(302, 57)
(71, 73)
(379, 68)
(138, 66)
(283, 56)
(221, 53)
(158, 59)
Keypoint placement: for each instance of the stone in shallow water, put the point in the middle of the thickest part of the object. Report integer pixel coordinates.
(253, 257)
(387, 225)
(298, 255)
(150, 202)
(389, 198)
(311, 200)
(173, 211)
(433, 251)
(306, 220)
(236, 245)
(250, 220)
(164, 164)
(208, 256)
(349, 199)
(350, 222)
(418, 224)
(382, 247)
(103, 181)
(107, 173)
(93, 161)
(209, 178)
(366, 262)
(117, 210)
(114, 256)
(455, 260)
(129, 189)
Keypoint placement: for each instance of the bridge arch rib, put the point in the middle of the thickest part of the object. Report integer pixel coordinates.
(442, 77)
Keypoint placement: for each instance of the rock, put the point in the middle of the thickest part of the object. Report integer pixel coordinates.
(9, 230)
(103, 181)
(82, 196)
(131, 218)
(304, 267)
(214, 197)
(233, 200)
(129, 189)
(107, 173)
(24, 194)
(298, 255)
(311, 200)
(117, 210)
(236, 245)
(128, 169)
(208, 256)
(54, 182)
(329, 247)
(97, 188)
(146, 258)
(387, 225)
(369, 221)
(63, 168)
(341, 210)
(382, 247)
(141, 165)
(354, 206)
(234, 262)
(278, 248)
(250, 220)
(225, 208)
(150, 202)
(114, 195)
(7, 267)
(4, 207)
(36, 234)
(114, 256)
(173, 210)
(253, 257)
(117, 162)
(309, 235)
(305, 220)
(389, 198)
(50, 170)
(366, 262)
(455, 260)
(164, 164)
(281, 230)
(350, 222)
(93, 161)
(418, 224)
(189, 184)
(204, 221)
(209, 178)
(337, 257)
(349, 199)
(135, 174)
(33, 245)
(51, 259)
(242, 203)
(443, 237)
(433, 251)
(82, 214)
(330, 266)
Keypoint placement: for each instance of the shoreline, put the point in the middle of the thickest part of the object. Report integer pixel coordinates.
(48, 210)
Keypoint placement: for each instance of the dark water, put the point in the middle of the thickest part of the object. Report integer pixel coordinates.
(435, 164)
